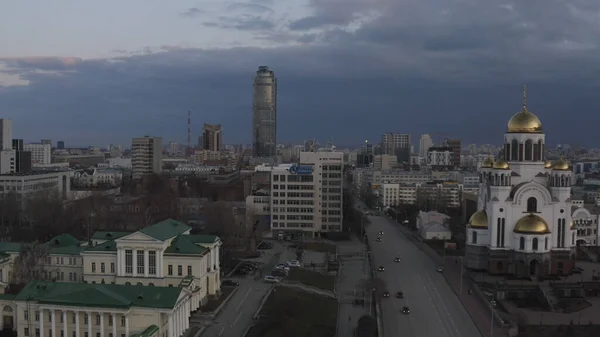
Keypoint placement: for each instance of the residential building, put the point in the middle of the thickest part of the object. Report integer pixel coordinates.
(389, 194)
(41, 154)
(440, 158)
(384, 162)
(28, 184)
(6, 133)
(425, 142)
(397, 144)
(585, 219)
(60, 145)
(212, 137)
(455, 145)
(264, 114)
(146, 153)
(97, 177)
(8, 161)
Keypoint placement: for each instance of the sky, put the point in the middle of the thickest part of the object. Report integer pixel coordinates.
(102, 72)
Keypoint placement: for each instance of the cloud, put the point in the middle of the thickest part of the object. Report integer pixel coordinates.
(193, 12)
(362, 69)
(250, 6)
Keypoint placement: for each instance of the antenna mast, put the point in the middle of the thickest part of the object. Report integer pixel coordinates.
(189, 138)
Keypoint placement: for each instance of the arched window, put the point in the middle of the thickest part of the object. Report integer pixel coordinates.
(522, 243)
(573, 239)
(546, 244)
(474, 237)
(514, 150)
(528, 149)
(541, 149)
(532, 205)
(534, 244)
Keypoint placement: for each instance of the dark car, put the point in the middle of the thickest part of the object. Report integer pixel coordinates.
(230, 283)
(380, 232)
(400, 294)
(397, 259)
(405, 310)
(378, 240)
(386, 294)
(249, 265)
(381, 268)
(265, 245)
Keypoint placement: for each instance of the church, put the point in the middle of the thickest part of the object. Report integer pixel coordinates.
(523, 224)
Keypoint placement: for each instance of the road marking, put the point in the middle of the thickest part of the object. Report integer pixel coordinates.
(222, 330)
(243, 300)
(236, 319)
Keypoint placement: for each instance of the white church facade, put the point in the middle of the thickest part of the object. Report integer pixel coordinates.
(523, 225)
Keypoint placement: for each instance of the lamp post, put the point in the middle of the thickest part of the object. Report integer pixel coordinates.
(461, 274)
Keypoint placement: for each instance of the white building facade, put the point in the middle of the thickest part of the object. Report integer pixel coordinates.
(41, 154)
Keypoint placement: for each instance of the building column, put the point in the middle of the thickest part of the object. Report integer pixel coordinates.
(146, 259)
(171, 327)
(53, 315)
(64, 315)
(114, 321)
(77, 333)
(89, 316)
(124, 261)
(101, 324)
(134, 255)
(41, 323)
(126, 326)
(159, 263)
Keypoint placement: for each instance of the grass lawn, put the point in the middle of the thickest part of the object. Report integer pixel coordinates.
(295, 313)
(320, 247)
(213, 304)
(312, 278)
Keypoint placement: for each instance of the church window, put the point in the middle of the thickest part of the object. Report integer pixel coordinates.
(498, 233)
(522, 243)
(546, 244)
(502, 231)
(528, 149)
(573, 239)
(474, 239)
(514, 150)
(532, 205)
(534, 244)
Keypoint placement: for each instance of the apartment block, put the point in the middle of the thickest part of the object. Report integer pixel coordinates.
(146, 154)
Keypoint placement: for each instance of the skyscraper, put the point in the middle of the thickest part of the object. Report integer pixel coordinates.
(397, 144)
(424, 144)
(146, 156)
(212, 137)
(264, 114)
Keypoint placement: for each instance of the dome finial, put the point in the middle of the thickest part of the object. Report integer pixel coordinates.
(524, 97)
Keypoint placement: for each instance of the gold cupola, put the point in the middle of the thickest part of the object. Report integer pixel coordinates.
(548, 164)
(487, 163)
(524, 121)
(572, 224)
(561, 165)
(501, 164)
(479, 220)
(531, 224)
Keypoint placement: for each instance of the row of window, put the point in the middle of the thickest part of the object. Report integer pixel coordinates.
(71, 261)
(150, 271)
(73, 318)
(294, 194)
(294, 187)
(293, 202)
(292, 225)
(62, 333)
(141, 268)
(331, 197)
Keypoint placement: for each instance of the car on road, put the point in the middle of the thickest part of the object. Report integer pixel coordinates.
(282, 267)
(271, 279)
(386, 294)
(230, 283)
(397, 259)
(377, 213)
(265, 246)
(440, 269)
(293, 263)
(380, 232)
(378, 240)
(405, 310)
(400, 294)
(381, 268)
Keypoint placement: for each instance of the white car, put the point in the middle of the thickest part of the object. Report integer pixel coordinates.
(293, 263)
(440, 269)
(282, 266)
(271, 279)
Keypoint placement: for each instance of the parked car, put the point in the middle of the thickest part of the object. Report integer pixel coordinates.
(380, 232)
(440, 269)
(265, 245)
(400, 294)
(381, 268)
(271, 279)
(378, 240)
(386, 294)
(230, 283)
(397, 259)
(282, 266)
(405, 310)
(293, 263)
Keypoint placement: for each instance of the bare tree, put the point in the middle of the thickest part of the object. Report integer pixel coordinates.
(30, 264)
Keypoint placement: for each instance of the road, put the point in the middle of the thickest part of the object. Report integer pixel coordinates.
(435, 309)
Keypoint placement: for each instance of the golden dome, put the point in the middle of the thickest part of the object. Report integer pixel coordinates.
(501, 164)
(531, 224)
(548, 164)
(479, 220)
(524, 121)
(487, 163)
(572, 225)
(561, 165)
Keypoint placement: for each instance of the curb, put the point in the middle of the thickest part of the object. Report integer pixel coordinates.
(216, 312)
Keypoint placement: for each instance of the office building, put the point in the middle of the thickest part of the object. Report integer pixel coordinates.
(60, 145)
(425, 142)
(41, 154)
(264, 114)
(455, 145)
(146, 156)
(6, 134)
(47, 141)
(212, 137)
(397, 144)
(22, 157)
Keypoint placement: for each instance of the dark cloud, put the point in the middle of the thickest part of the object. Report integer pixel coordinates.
(250, 6)
(379, 66)
(193, 12)
(242, 22)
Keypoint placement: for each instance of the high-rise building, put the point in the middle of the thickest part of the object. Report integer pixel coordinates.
(60, 144)
(22, 157)
(454, 144)
(47, 141)
(6, 134)
(41, 154)
(212, 137)
(264, 114)
(397, 144)
(146, 156)
(424, 144)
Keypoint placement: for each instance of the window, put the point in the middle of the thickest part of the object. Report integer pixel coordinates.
(37, 332)
(97, 319)
(140, 262)
(26, 331)
(37, 315)
(98, 334)
(546, 244)
(74, 318)
(179, 270)
(50, 318)
(110, 322)
(532, 205)
(85, 334)
(102, 268)
(74, 334)
(26, 315)
(112, 267)
(189, 270)
(122, 320)
(128, 261)
(152, 262)
(93, 267)
(62, 318)
(86, 319)
(514, 150)
(534, 244)
(170, 269)
(62, 333)
(474, 237)
(522, 243)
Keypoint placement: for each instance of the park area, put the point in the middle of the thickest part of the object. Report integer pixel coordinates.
(312, 278)
(296, 313)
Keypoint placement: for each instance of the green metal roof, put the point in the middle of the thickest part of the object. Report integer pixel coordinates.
(10, 247)
(149, 332)
(182, 245)
(203, 238)
(186, 281)
(108, 246)
(99, 295)
(67, 250)
(63, 240)
(165, 229)
(101, 235)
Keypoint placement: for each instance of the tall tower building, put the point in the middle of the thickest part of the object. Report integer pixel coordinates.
(6, 134)
(264, 114)
(424, 144)
(456, 147)
(397, 144)
(212, 137)
(146, 156)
